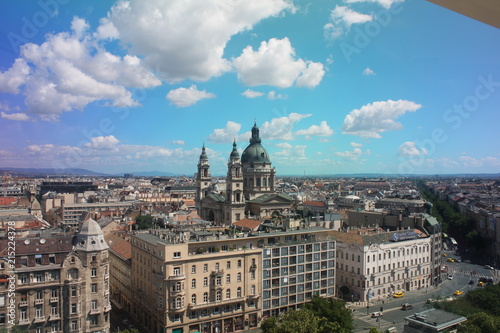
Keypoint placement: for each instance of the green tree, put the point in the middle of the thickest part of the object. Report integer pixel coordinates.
(373, 330)
(144, 222)
(299, 321)
(334, 310)
(480, 323)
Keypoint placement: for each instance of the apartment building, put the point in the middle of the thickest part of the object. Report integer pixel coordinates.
(373, 263)
(199, 281)
(56, 284)
(71, 213)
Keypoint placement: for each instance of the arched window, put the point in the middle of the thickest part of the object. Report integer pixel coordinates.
(205, 282)
(228, 293)
(264, 180)
(193, 283)
(218, 295)
(238, 292)
(205, 298)
(228, 278)
(239, 277)
(193, 298)
(178, 302)
(258, 181)
(251, 182)
(178, 286)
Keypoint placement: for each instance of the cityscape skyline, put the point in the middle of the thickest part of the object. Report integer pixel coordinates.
(340, 87)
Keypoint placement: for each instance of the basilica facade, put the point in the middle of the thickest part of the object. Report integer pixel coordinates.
(250, 187)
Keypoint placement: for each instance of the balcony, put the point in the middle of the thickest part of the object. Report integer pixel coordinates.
(254, 296)
(218, 273)
(23, 303)
(39, 320)
(24, 321)
(107, 308)
(253, 267)
(215, 303)
(177, 277)
(38, 301)
(54, 299)
(178, 310)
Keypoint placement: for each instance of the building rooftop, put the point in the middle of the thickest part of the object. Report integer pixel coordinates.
(435, 319)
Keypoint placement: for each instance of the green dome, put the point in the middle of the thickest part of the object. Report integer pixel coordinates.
(255, 152)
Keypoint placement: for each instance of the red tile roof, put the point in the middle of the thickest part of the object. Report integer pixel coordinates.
(247, 223)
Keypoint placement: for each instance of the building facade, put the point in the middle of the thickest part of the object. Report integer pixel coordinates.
(56, 284)
(206, 282)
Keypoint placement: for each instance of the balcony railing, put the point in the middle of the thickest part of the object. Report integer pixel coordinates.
(177, 277)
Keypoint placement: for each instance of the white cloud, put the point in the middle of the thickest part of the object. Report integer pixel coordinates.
(377, 117)
(384, 3)
(183, 97)
(186, 39)
(106, 30)
(290, 151)
(226, 134)
(273, 95)
(252, 93)
(322, 130)
(368, 71)
(179, 142)
(350, 155)
(468, 161)
(356, 145)
(410, 149)
(15, 116)
(341, 19)
(70, 70)
(102, 142)
(281, 128)
(14, 77)
(275, 64)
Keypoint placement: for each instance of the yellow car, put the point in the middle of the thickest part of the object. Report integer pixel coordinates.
(458, 292)
(445, 255)
(450, 260)
(398, 294)
(480, 283)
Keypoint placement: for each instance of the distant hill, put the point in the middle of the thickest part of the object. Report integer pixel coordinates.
(152, 174)
(43, 172)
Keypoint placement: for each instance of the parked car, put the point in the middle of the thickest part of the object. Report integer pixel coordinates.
(466, 261)
(458, 292)
(376, 314)
(450, 260)
(450, 277)
(471, 282)
(406, 306)
(488, 267)
(480, 284)
(398, 294)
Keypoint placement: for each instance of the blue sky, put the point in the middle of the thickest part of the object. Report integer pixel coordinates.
(351, 86)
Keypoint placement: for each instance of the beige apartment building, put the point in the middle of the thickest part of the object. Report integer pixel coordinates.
(56, 284)
(199, 281)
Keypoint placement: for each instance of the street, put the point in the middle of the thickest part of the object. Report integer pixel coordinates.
(393, 315)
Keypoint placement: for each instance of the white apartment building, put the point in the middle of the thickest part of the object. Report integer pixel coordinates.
(373, 264)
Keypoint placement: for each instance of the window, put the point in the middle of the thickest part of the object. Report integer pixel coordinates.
(38, 259)
(94, 257)
(93, 288)
(238, 278)
(73, 292)
(216, 266)
(178, 302)
(39, 294)
(218, 281)
(54, 327)
(218, 295)
(205, 298)
(239, 263)
(205, 282)
(238, 292)
(193, 283)
(39, 277)
(24, 314)
(177, 254)
(193, 298)
(177, 271)
(205, 268)
(94, 320)
(193, 269)
(93, 272)
(228, 265)
(39, 312)
(74, 325)
(54, 293)
(252, 275)
(73, 308)
(228, 278)
(252, 290)
(53, 310)
(228, 293)
(178, 286)
(94, 305)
